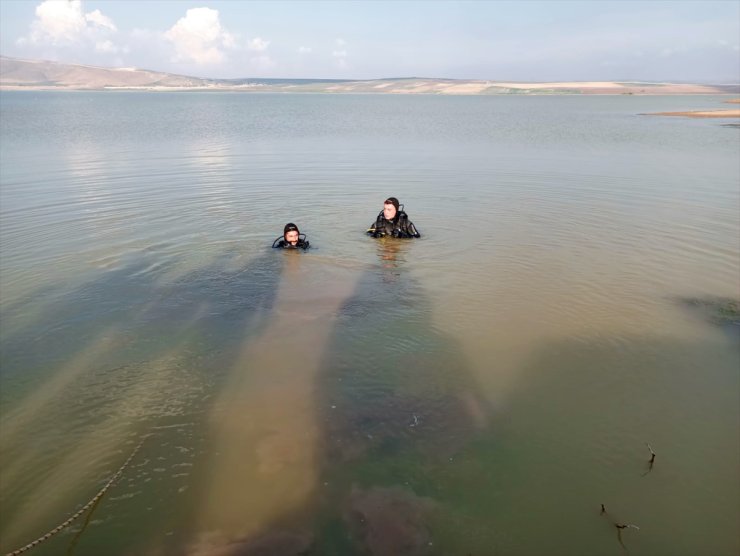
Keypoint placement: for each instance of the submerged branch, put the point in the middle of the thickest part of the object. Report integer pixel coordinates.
(652, 459)
(619, 527)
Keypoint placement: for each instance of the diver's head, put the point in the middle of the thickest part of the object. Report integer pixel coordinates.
(390, 208)
(291, 233)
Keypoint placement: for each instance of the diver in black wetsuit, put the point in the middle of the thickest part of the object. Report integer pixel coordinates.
(393, 221)
(292, 239)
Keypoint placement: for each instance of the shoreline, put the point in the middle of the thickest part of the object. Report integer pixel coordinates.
(254, 90)
(734, 113)
(43, 75)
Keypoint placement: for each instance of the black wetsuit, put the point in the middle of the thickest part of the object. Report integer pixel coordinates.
(400, 226)
(282, 244)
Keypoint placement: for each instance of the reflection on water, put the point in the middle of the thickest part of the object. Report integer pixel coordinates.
(480, 390)
(392, 256)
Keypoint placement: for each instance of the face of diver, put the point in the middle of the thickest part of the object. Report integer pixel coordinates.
(291, 237)
(389, 211)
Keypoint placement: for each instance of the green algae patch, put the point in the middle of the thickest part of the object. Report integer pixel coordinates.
(722, 311)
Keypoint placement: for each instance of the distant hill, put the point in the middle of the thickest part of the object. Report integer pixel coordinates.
(42, 74)
(17, 74)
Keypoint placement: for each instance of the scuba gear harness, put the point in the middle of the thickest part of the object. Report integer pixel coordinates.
(399, 227)
(281, 243)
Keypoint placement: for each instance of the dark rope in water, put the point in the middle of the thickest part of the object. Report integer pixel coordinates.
(83, 509)
(78, 536)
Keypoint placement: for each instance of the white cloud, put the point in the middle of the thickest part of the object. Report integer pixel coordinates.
(106, 47)
(304, 50)
(199, 37)
(101, 20)
(726, 45)
(258, 44)
(57, 22)
(63, 23)
(228, 40)
(340, 54)
(340, 57)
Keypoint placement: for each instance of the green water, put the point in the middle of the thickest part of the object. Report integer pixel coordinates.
(482, 390)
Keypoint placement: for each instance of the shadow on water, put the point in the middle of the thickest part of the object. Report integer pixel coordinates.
(397, 406)
(402, 460)
(322, 412)
(133, 299)
(136, 350)
(390, 406)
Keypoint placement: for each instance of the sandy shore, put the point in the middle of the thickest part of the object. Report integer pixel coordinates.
(702, 114)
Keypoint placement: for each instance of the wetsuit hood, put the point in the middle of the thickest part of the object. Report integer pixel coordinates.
(290, 227)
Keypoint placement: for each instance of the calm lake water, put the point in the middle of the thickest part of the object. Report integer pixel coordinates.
(481, 390)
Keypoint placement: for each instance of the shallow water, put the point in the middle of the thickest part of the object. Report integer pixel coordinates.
(481, 390)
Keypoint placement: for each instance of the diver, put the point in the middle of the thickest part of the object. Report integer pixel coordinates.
(393, 221)
(292, 238)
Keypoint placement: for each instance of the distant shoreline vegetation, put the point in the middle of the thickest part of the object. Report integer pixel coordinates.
(38, 75)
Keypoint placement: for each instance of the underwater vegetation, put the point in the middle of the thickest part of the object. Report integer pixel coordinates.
(722, 311)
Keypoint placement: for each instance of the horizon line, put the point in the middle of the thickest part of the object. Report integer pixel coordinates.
(342, 79)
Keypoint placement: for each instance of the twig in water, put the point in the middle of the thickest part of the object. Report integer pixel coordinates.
(652, 459)
(619, 527)
(619, 538)
(652, 454)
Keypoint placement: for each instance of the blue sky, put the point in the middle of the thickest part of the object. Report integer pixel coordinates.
(517, 41)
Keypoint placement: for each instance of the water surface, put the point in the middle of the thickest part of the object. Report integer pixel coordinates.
(481, 390)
